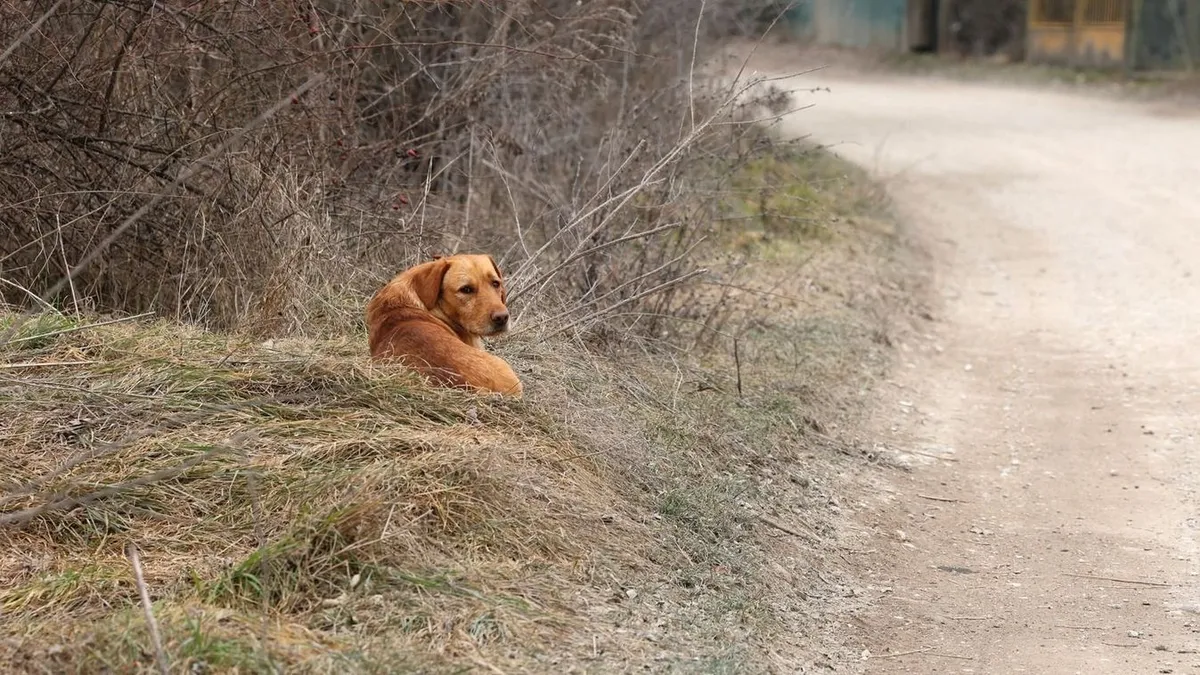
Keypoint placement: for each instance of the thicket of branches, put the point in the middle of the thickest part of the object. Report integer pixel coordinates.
(986, 27)
(263, 165)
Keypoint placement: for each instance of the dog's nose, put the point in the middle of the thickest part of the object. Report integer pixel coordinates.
(500, 320)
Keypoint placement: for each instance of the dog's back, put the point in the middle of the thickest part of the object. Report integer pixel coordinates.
(414, 335)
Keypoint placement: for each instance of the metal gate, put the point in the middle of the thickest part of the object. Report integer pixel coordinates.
(1078, 32)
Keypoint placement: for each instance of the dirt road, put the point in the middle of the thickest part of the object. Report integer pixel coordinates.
(1050, 522)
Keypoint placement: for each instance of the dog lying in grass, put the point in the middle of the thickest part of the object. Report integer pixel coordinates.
(432, 318)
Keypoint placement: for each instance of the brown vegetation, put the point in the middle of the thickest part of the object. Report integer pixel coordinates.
(297, 508)
(252, 165)
(663, 498)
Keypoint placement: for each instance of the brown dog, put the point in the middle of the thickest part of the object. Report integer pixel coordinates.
(432, 318)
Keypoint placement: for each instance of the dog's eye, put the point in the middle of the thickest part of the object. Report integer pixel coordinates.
(495, 284)
(467, 290)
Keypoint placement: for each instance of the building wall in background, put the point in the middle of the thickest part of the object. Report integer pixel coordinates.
(876, 24)
(1164, 35)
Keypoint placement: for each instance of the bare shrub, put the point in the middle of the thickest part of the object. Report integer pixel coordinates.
(986, 27)
(555, 134)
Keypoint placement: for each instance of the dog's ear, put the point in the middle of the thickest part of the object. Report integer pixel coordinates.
(500, 276)
(425, 281)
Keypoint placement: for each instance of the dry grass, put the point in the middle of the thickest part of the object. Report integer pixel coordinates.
(295, 479)
(298, 508)
(697, 308)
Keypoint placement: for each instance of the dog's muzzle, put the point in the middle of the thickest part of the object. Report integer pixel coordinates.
(499, 322)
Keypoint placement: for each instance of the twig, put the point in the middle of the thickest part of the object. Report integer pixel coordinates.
(756, 291)
(260, 534)
(76, 329)
(906, 653)
(32, 296)
(608, 310)
(644, 275)
(161, 655)
(172, 422)
(737, 364)
(22, 517)
(924, 650)
(746, 61)
(784, 528)
(63, 251)
(768, 118)
(931, 455)
(970, 618)
(480, 661)
(464, 43)
(541, 280)
(33, 28)
(44, 364)
(189, 171)
(617, 202)
(620, 199)
(1156, 584)
(941, 499)
(1080, 627)
(692, 67)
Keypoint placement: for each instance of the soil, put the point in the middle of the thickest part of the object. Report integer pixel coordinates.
(1048, 412)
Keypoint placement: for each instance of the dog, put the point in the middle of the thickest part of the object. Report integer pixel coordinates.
(433, 317)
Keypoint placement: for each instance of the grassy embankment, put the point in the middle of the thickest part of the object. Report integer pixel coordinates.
(296, 507)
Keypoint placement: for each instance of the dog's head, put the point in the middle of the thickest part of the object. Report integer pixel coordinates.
(467, 291)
